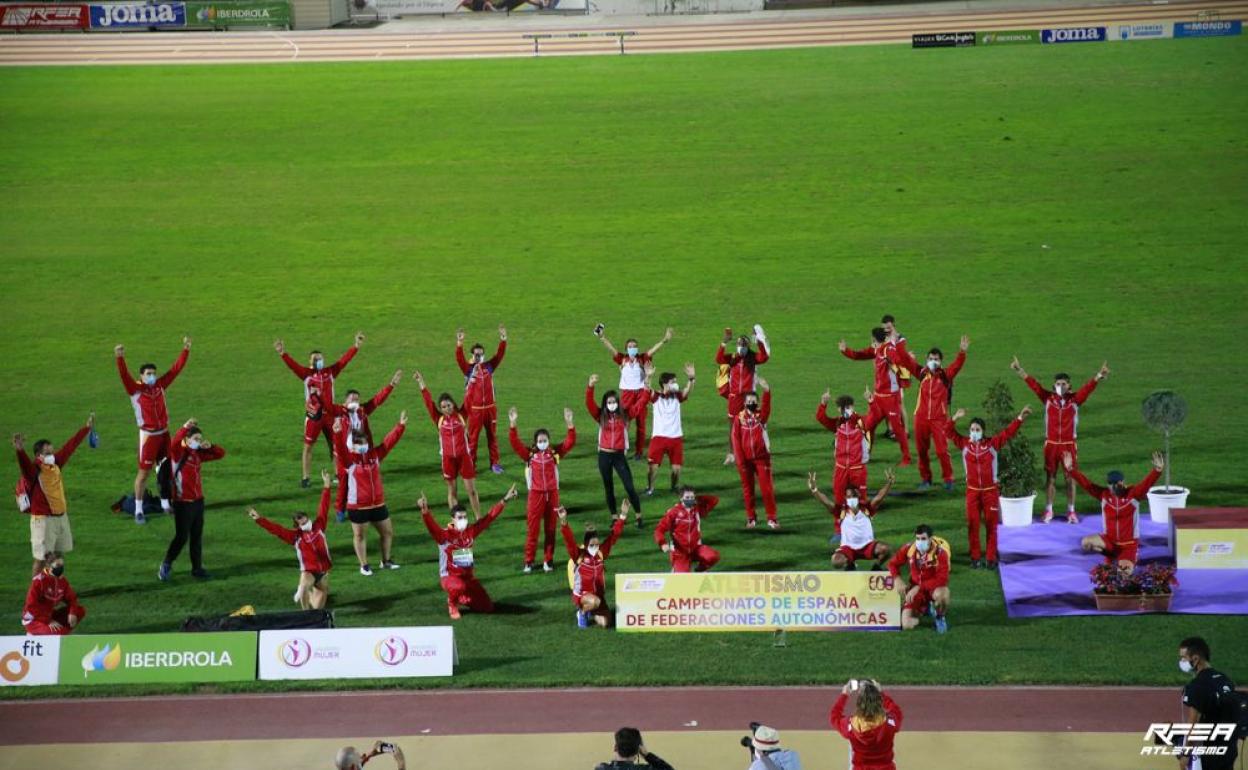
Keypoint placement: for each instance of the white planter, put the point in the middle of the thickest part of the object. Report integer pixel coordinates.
(1160, 502)
(1016, 511)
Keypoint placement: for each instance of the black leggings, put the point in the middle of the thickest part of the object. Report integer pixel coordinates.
(189, 523)
(606, 462)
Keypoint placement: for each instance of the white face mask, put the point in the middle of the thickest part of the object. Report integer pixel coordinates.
(478, 357)
(1185, 665)
(612, 406)
(673, 387)
(149, 379)
(353, 405)
(361, 448)
(933, 365)
(852, 502)
(592, 550)
(632, 350)
(318, 363)
(460, 524)
(976, 434)
(848, 411)
(543, 444)
(922, 545)
(742, 349)
(1060, 389)
(48, 459)
(306, 526)
(193, 444)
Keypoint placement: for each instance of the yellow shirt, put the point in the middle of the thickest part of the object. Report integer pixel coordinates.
(53, 488)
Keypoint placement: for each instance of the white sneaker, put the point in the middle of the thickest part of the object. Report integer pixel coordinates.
(1072, 517)
(547, 567)
(299, 596)
(730, 460)
(165, 506)
(366, 571)
(1048, 515)
(528, 568)
(773, 525)
(390, 565)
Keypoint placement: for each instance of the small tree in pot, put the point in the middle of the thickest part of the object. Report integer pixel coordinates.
(1016, 462)
(1164, 411)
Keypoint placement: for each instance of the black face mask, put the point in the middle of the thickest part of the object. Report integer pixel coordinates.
(58, 570)
(1121, 490)
(752, 407)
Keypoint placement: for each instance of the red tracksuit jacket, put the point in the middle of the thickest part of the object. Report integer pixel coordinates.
(590, 575)
(358, 419)
(455, 557)
(187, 484)
(886, 355)
(319, 382)
(613, 430)
(741, 369)
(979, 458)
(46, 592)
(1061, 413)
(685, 524)
(311, 548)
(872, 744)
(452, 431)
(541, 468)
(934, 387)
(363, 471)
(929, 571)
(852, 446)
(30, 471)
(749, 432)
(1120, 516)
(148, 401)
(479, 378)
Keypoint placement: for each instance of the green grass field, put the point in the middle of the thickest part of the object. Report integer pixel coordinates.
(807, 190)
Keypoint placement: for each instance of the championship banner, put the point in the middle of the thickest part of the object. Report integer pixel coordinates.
(757, 601)
(59, 16)
(238, 14)
(357, 653)
(29, 660)
(146, 658)
(392, 8)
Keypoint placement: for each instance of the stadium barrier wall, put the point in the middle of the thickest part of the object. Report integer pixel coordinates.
(121, 17)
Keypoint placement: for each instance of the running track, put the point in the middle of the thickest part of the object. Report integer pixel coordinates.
(385, 43)
(441, 712)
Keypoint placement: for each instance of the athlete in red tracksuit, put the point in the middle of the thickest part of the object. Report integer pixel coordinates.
(52, 607)
(356, 414)
(931, 413)
(479, 393)
(851, 449)
(886, 352)
(541, 475)
(684, 521)
(1120, 512)
(366, 498)
(1061, 428)
(926, 588)
(458, 462)
(589, 569)
(634, 395)
(318, 394)
(311, 549)
(752, 450)
(455, 558)
(736, 373)
(47, 506)
(983, 498)
(147, 396)
(187, 454)
(872, 728)
(612, 419)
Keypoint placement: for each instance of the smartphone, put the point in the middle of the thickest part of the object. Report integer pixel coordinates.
(853, 684)
(386, 748)
(598, 329)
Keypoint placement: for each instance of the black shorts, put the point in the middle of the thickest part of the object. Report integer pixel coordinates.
(317, 577)
(367, 515)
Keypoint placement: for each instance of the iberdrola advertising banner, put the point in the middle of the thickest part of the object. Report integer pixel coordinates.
(244, 13)
(757, 601)
(146, 658)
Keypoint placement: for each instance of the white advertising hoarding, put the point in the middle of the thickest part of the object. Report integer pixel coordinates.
(357, 653)
(29, 660)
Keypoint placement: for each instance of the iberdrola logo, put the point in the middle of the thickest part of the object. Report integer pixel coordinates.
(107, 659)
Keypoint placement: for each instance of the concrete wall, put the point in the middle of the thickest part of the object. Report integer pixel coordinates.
(318, 14)
(650, 7)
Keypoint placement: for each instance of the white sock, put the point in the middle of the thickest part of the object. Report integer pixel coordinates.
(138, 507)
(1070, 509)
(1048, 508)
(164, 505)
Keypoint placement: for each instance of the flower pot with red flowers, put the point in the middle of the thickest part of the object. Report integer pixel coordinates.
(1147, 588)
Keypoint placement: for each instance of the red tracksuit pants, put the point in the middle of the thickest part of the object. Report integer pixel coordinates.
(466, 590)
(985, 505)
(483, 417)
(39, 628)
(705, 556)
(928, 432)
(887, 406)
(759, 468)
(635, 403)
(843, 478)
(540, 513)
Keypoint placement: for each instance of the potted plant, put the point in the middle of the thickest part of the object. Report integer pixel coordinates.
(1164, 411)
(1143, 589)
(1016, 462)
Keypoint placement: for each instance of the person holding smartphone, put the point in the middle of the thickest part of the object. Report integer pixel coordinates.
(349, 758)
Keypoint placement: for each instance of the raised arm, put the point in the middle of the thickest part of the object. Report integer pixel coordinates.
(127, 379)
(29, 469)
(590, 403)
(1041, 392)
(429, 407)
(667, 336)
(168, 377)
(890, 478)
(951, 430)
(464, 365)
(821, 412)
(764, 410)
(211, 453)
(299, 369)
(569, 539)
(617, 529)
(952, 369)
(477, 527)
(436, 531)
(341, 363)
(498, 354)
(707, 503)
(380, 396)
(839, 721)
(277, 530)
(1096, 490)
(823, 499)
(67, 450)
(762, 356)
(569, 440)
(1008, 431)
(615, 354)
(1140, 490)
(517, 445)
(392, 437)
(862, 354)
(892, 710)
(1082, 394)
(322, 513)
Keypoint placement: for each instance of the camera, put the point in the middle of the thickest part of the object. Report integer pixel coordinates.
(599, 329)
(748, 741)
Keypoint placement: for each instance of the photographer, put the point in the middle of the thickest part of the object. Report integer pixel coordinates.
(350, 759)
(766, 753)
(872, 727)
(631, 753)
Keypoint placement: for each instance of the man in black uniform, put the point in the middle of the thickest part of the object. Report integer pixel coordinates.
(630, 753)
(1207, 699)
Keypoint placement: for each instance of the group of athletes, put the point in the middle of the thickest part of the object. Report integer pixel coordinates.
(921, 566)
